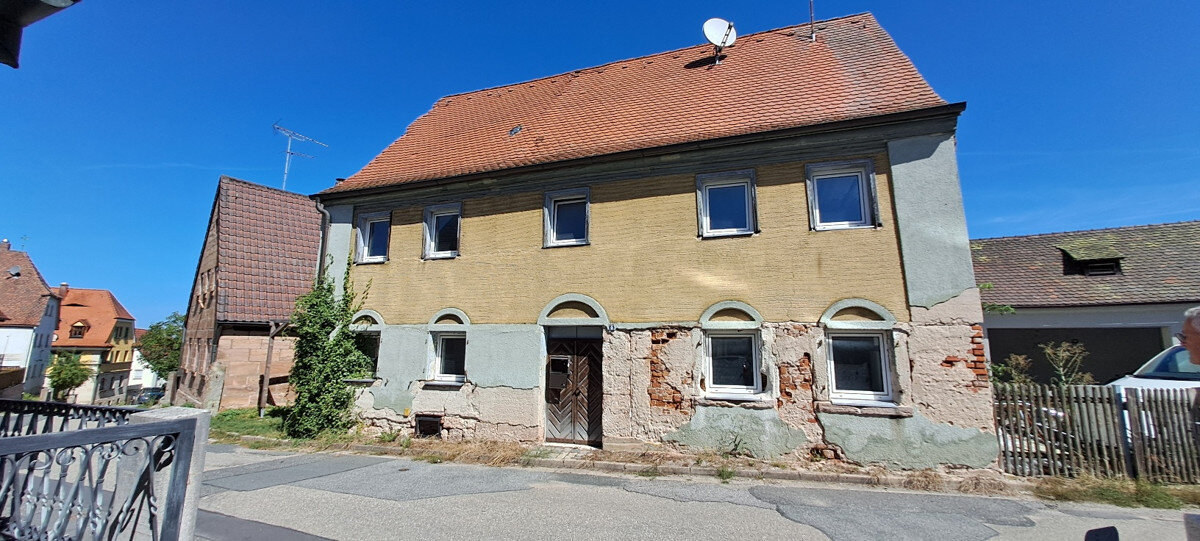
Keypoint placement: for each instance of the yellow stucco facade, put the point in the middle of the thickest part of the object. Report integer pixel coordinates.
(645, 261)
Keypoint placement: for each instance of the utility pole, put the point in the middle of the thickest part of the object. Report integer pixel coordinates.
(293, 136)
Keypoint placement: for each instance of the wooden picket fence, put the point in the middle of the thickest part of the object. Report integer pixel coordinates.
(1088, 429)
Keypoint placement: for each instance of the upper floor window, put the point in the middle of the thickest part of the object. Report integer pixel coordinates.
(373, 232)
(841, 195)
(442, 230)
(565, 215)
(725, 203)
(78, 330)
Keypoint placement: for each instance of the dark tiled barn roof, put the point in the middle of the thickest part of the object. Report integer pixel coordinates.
(1159, 264)
(770, 80)
(267, 250)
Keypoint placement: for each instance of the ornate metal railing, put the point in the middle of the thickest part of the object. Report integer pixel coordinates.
(25, 418)
(118, 480)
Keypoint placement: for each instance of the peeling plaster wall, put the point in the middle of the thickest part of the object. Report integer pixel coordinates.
(500, 401)
(792, 349)
(914, 442)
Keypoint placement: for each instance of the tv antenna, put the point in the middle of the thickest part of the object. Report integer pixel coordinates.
(293, 136)
(721, 34)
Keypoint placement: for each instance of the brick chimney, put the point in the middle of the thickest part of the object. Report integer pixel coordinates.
(62, 289)
(4, 245)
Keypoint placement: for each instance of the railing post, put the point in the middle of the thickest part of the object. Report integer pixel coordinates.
(195, 470)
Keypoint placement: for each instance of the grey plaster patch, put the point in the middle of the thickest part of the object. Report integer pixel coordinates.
(913, 442)
(339, 242)
(688, 492)
(504, 356)
(404, 480)
(871, 515)
(293, 474)
(930, 218)
(759, 432)
(402, 359)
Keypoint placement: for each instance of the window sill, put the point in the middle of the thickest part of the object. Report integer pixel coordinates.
(371, 261)
(864, 408)
(567, 245)
(749, 400)
(442, 385)
(710, 235)
(441, 256)
(841, 227)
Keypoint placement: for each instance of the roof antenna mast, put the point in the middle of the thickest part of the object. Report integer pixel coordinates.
(812, 22)
(293, 136)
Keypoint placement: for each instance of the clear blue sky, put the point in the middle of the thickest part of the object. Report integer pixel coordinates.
(124, 113)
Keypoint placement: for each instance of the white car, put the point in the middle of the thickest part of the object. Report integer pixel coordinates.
(1171, 369)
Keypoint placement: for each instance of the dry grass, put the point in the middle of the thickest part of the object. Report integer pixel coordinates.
(926, 479)
(876, 475)
(983, 484)
(1121, 492)
(488, 453)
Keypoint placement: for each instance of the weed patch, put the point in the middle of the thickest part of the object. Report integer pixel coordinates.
(725, 473)
(1120, 492)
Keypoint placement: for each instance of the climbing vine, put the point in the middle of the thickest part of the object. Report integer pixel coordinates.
(325, 356)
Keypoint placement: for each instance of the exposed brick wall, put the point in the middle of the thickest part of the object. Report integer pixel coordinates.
(662, 393)
(795, 381)
(976, 360)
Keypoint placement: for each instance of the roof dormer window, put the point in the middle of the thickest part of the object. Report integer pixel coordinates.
(78, 329)
(1091, 257)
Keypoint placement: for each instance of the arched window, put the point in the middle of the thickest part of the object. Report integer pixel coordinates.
(732, 350)
(859, 352)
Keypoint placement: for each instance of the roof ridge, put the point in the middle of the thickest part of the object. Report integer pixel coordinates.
(225, 178)
(660, 53)
(1096, 230)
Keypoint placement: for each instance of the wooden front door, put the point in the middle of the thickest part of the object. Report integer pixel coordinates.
(574, 391)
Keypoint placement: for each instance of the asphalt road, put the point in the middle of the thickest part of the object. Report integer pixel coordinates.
(264, 495)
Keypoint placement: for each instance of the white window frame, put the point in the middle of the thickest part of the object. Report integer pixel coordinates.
(550, 216)
(868, 203)
(438, 345)
(364, 231)
(708, 181)
(756, 352)
(431, 215)
(867, 398)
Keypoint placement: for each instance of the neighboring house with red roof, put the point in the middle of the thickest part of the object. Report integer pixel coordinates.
(259, 255)
(93, 324)
(1121, 292)
(28, 316)
(769, 255)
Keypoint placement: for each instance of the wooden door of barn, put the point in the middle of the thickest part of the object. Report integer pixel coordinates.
(574, 391)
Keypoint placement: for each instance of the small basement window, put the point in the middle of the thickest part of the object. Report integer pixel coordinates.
(429, 426)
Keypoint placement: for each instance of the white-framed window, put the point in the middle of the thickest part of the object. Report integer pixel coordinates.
(566, 215)
(841, 195)
(860, 366)
(725, 204)
(442, 231)
(374, 230)
(732, 359)
(450, 357)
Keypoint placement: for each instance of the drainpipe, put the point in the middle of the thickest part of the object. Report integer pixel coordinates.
(324, 234)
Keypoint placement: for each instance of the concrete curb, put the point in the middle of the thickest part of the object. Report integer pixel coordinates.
(883, 481)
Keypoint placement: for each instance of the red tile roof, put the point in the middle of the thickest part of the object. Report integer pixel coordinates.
(267, 250)
(23, 297)
(99, 309)
(768, 81)
(1159, 264)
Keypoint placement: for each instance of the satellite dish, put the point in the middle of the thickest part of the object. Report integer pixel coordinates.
(721, 34)
(15, 270)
